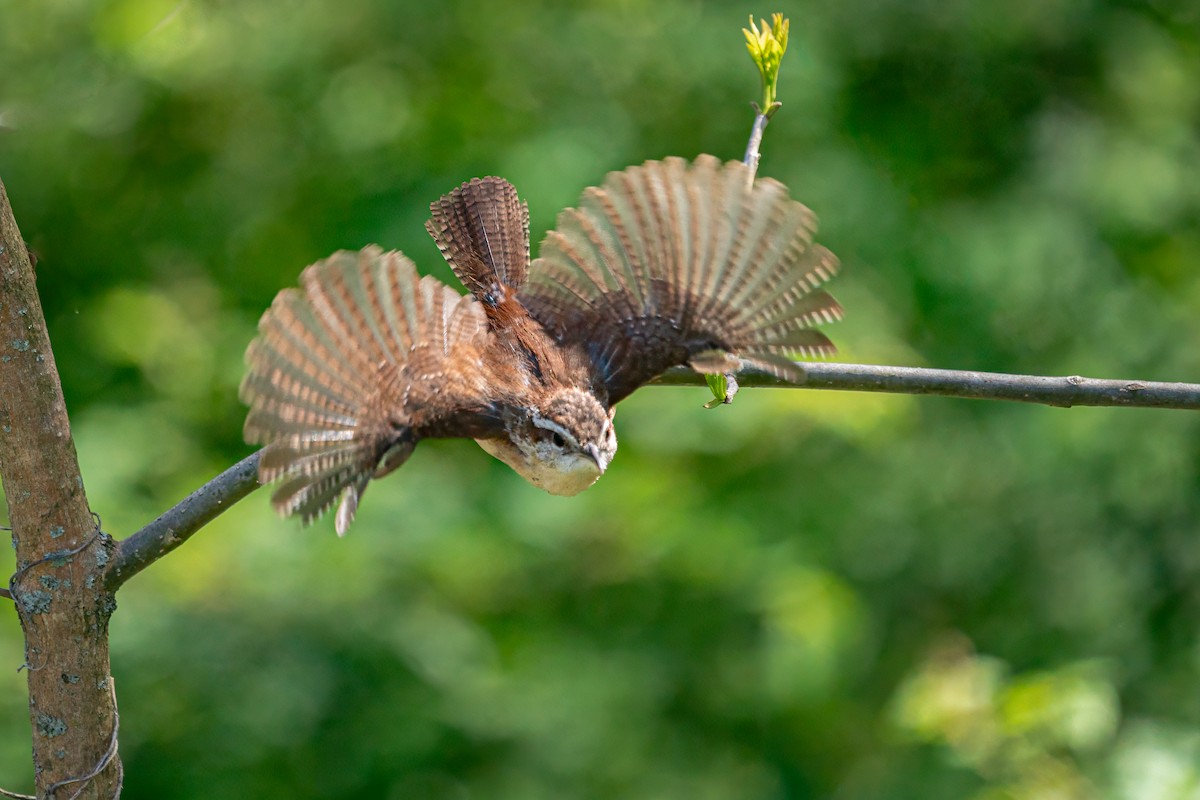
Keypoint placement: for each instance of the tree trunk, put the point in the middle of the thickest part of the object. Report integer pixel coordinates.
(59, 586)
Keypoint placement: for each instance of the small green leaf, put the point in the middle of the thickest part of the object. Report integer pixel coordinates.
(718, 385)
(724, 387)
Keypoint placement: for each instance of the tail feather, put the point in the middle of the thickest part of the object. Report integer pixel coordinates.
(482, 229)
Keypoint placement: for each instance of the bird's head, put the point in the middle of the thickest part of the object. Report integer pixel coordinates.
(561, 446)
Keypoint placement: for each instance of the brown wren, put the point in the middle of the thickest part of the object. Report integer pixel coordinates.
(665, 264)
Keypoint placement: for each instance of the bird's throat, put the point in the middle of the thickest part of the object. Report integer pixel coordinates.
(565, 477)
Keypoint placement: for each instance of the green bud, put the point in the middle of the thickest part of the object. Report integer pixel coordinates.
(767, 44)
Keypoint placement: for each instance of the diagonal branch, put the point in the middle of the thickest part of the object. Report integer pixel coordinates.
(176, 525)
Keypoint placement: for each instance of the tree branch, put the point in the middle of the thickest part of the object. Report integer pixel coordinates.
(767, 46)
(176, 525)
(1063, 392)
(63, 609)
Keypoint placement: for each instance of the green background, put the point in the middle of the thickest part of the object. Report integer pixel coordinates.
(803, 595)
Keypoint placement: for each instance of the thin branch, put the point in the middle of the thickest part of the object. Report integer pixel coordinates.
(756, 133)
(1063, 392)
(175, 526)
(761, 118)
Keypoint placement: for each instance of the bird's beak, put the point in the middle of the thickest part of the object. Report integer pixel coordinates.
(594, 453)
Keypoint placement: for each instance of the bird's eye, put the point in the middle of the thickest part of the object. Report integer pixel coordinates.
(558, 440)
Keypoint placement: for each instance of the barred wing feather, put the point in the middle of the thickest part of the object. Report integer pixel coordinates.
(673, 263)
(336, 376)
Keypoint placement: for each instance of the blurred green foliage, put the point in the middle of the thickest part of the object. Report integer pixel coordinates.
(804, 595)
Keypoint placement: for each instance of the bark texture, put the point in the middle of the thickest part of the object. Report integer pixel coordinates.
(59, 587)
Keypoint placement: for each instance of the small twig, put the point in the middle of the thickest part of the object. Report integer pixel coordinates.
(176, 525)
(756, 134)
(1063, 392)
(767, 43)
(31, 668)
(104, 761)
(15, 796)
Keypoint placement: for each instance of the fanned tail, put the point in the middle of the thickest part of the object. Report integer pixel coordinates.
(482, 229)
(324, 374)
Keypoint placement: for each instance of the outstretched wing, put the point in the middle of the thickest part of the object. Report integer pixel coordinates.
(674, 263)
(351, 369)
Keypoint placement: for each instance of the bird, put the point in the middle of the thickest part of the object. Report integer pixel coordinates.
(672, 262)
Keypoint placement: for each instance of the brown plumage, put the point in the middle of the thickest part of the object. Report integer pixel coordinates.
(669, 261)
(664, 264)
(482, 229)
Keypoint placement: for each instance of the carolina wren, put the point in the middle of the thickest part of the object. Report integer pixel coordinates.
(665, 264)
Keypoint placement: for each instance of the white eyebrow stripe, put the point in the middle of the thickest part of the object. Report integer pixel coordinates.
(550, 425)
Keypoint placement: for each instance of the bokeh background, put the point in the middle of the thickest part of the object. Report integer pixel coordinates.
(805, 595)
